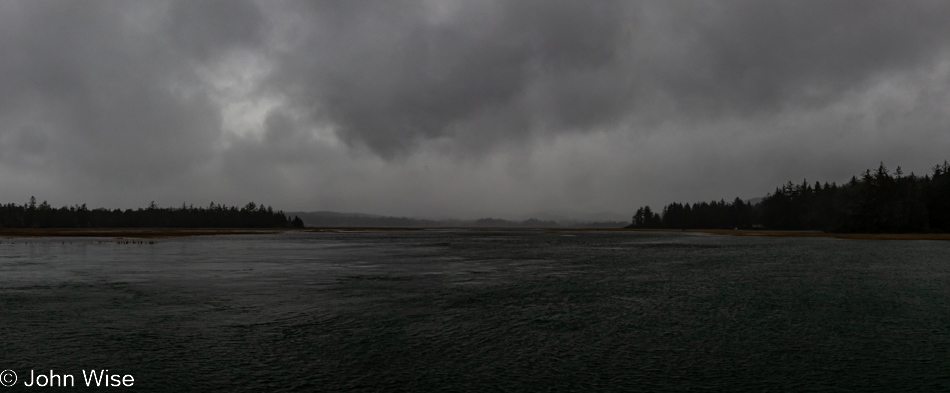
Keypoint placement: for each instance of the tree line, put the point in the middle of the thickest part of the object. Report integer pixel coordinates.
(877, 201)
(42, 215)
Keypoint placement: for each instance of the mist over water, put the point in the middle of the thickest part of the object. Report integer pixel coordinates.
(482, 311)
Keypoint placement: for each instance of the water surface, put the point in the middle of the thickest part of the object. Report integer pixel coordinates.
(482, 311)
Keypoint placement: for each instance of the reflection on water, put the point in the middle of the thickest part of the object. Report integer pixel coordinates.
(477, 311)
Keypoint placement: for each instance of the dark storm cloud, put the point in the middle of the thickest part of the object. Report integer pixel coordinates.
(390, 73)
(384, 105)
(206, 28)
(109, 88)
(753, 55)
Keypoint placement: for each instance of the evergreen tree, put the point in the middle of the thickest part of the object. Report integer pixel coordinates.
(878, 201)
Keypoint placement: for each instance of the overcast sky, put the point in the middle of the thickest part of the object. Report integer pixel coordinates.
(439, 108)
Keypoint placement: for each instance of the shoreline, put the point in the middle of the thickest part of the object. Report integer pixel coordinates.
(771, 233)
(184, 232)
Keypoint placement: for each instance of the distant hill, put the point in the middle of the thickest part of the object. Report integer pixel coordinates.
(336, 219)
(564, 218)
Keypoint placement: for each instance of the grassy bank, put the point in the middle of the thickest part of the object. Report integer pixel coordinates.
(870, 236)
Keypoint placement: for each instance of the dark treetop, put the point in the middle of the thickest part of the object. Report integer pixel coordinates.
(877, 201)
(252, 215)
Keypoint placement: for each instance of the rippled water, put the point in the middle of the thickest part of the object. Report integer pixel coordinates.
(482, 311)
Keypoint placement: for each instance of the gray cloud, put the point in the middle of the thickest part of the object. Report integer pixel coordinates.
(439, 108)
(756, 56)
(203, 29)
(114, 85)
(390, 73)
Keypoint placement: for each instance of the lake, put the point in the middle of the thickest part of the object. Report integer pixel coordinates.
(480, 311)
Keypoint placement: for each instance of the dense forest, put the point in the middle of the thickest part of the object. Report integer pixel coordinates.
(877, 201)
(252, 215)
